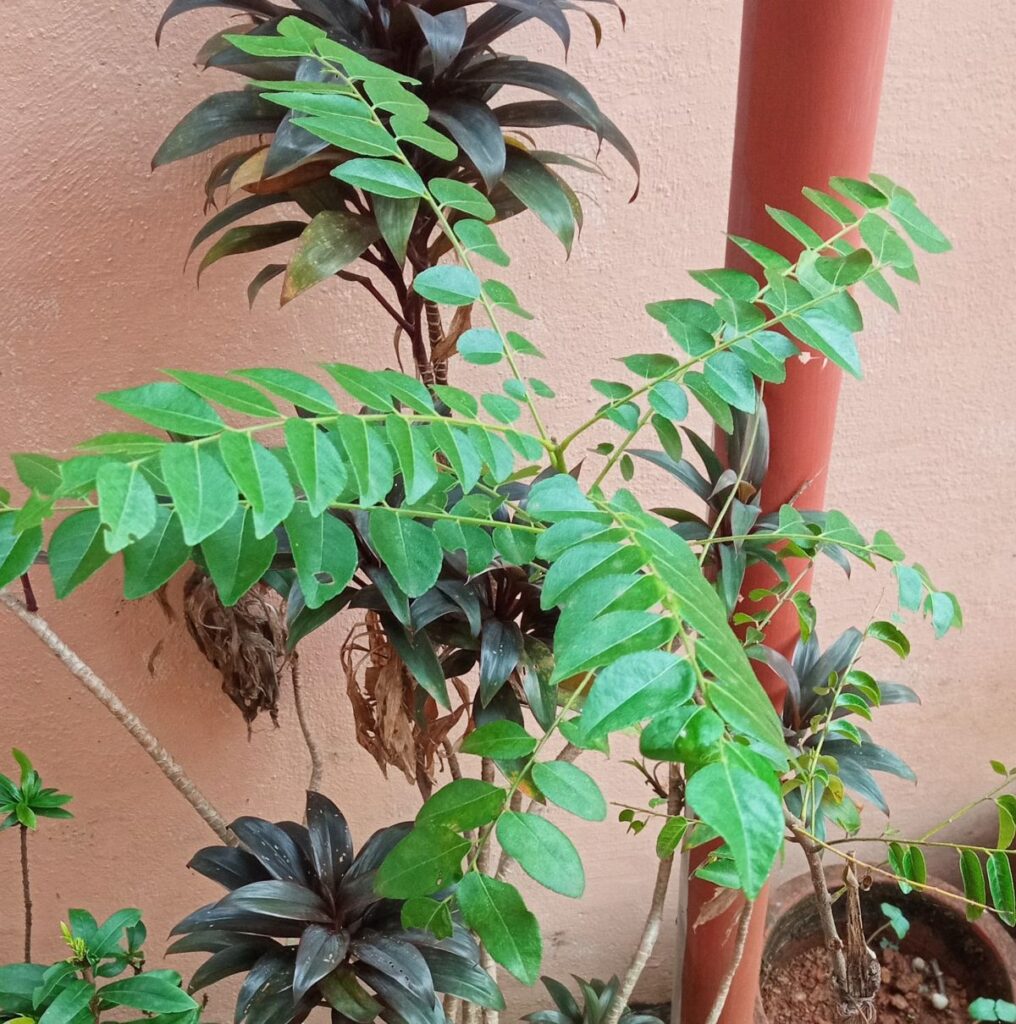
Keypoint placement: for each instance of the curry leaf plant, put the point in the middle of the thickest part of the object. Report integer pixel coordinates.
(637, 607)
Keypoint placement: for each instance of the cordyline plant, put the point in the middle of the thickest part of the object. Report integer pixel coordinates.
(451, 494)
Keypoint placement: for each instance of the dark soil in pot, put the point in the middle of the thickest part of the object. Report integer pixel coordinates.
(975, 960)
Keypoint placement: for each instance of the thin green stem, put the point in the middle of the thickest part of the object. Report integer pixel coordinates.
(678, 372)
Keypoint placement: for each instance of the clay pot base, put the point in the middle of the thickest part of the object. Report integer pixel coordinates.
(799, 992)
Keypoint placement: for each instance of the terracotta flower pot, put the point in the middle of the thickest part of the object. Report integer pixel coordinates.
(981, 955)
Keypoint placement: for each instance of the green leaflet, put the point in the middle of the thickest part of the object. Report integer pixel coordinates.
(304, 392)
(463, 804)
(261, 478)
(77, 550)
(570, 788)
(427, 860)
(415, 456)
(543, 851)
(17, 548)
(324, 550)
(203, 493)
(167, 405)
(448, 284)
(585, 562)
(157, 557)
(506, 927)
(236, 557)
(501, 740)
(373, 469)
(737, 796)
(318, 465)
(408, 549)
(126, 504)
(734, 693)
(634, 688)
(233, 394)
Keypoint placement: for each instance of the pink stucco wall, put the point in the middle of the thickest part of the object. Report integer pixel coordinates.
(91, 250)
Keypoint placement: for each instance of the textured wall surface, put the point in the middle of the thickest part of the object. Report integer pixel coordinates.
(91, 251)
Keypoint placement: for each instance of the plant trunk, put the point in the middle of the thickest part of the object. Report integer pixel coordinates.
(26, 892)
(808, 96)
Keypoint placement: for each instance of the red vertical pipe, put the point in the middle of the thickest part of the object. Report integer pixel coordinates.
(807, 107)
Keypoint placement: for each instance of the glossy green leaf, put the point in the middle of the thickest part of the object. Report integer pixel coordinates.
(480, 346)
(973, 883)
(167, 405)
(373, 469)
(354, 134)
(731, 798)
(634, 688)
(77, 550)
(150, 993)
(203, 493)
(261, 479)
(543, 851)
(304, 392)
(507, 929)
(415, 456)
(428, 915)
(731, 379)
(502, 740)
(126, 504)
(478, 238)
(319, 466)
(325, 553)
(427, 860)
(233, 394)
(462, 197)
(570, 788)
(381, 177)
(18, 548)
(463, 804)
(157, 557)
(448, 284)
(1000, 884)
(408, 549)
(236, 557)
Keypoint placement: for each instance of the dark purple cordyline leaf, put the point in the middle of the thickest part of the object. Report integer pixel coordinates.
(331, 844)
(321, 950)
(472, 125)
(229, 866)
(281, 856)
(288, 900)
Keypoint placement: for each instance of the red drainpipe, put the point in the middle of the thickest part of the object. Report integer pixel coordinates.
(807, 106)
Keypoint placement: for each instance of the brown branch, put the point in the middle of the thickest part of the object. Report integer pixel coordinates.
(743, 927)
(651, 929)
(452, 758)
(367, 283)
(833, 942)
(26, 891)
(316, 761)
(101, 691)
